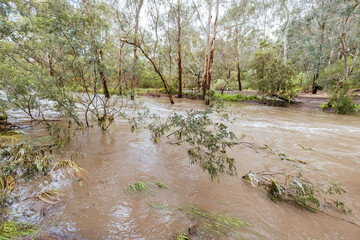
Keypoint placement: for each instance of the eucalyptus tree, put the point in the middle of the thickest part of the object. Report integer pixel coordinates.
(344, 27)
(210, 47)
(138, 6)
(61, 51)
(239, 23)
(179, 48)
(309, 38)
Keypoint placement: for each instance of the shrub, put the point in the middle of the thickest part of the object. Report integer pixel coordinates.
(171, 88)
(344, 104)
(324, 106)
(333, 73)
(271, 76)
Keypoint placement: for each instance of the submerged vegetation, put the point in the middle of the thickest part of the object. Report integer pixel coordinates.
(216, 224)
(161, 185)
(298, 190)
(14, 230)
(51, 196)
(234, 97)
(23, 159)
(72, 168)
(137, 187)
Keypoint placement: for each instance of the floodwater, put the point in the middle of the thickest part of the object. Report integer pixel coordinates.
(99, 208)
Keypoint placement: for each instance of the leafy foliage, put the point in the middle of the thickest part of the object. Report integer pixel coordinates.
(342, 102)
(270, 76)
(207, 141)
(26, 160)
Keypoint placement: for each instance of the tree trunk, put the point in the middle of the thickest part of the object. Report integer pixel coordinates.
(166, 86)
(239, 75)
(120, 73)
(314, 84)
(237, 57)
(211, 63)
(285, 33)
(207, 43)
(354, 61)
(344, 47)
(102, 75)
(51, 67)
(319, 63)
(227, 81)
(133, 79)
(179, 52)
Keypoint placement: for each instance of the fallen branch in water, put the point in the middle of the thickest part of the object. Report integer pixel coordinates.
(300, 191)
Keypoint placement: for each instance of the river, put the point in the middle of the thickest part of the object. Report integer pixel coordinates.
(99, 208)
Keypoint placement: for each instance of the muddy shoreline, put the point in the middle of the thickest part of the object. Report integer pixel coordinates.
(305, 101)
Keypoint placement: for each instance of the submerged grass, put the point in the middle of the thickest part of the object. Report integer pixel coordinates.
(235, 97)
(137, 187)
(7, 185)
(51, 196)
(159, 206)
(161, 185)
(10, 133)
(13, 230)
(305, 148)
(8, 140)
(72, 168)
(216, 224)
(181, 236)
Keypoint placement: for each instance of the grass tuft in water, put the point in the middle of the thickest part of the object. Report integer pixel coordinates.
(216, 224)
(159, 206)
(137, 187)
(181, 236)
(51, 196)
(305, 148)
(72, 168)
(8, 140)
(13, 230)
(7, 185)
(10, 133)
(161, 185)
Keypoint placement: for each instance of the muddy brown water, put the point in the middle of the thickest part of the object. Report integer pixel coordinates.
(99, 208)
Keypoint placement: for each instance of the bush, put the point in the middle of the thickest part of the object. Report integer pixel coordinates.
(270, 76)
(218, 85)
(172, 89)
(324, 106)
(344, 104)
(333, 73)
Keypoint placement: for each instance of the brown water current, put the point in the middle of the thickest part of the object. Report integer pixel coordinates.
(99, 208)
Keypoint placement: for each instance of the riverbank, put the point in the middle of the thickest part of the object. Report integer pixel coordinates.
(304, 101)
